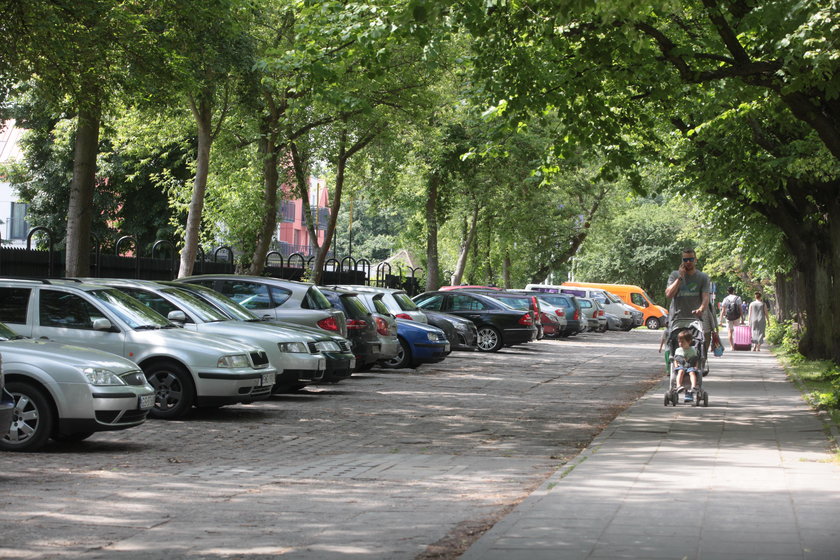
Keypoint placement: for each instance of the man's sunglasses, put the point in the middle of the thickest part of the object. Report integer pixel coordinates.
(688, 259)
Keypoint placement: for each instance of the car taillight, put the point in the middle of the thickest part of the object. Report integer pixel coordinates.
(560, 312)
(601, 313)
(576, 316)
(526, 320)
(328, 324)
(403, 316)
(382, 326)
(353, 324)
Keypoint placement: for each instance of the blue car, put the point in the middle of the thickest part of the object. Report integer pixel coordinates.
(420, 343)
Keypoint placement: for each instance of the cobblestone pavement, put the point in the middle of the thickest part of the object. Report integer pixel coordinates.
(382, 465)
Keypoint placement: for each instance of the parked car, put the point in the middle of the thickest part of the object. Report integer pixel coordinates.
(467, 287)
(569, 303)
(293, 353)
(67, 392)
(654, 316)
(419, 344)
(497, 324)
(335, 348)
(461, 333)
(595, 314)
(361, 326)
(396, 300)
(523, 302)
(274, 299)
(613, 323)
(185, 368)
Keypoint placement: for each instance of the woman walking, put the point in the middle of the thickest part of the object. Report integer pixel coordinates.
(758, 321)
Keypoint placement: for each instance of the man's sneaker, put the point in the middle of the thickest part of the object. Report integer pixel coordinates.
(680, 389)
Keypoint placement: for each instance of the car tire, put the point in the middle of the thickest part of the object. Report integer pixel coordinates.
(174, 391)
(33, 420)
(489, 340)
(402, 359)
(652, 323)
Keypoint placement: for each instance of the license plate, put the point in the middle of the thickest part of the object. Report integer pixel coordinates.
(268, 379)
(147, 401)
(446, 348)
(353, 363)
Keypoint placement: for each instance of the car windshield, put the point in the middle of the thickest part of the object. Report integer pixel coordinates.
(405, 302)
(556, 301)
(132, 312)
(522, 303)
(355, 308)
(222, 302)
(614, 298)
(203, 310)
(315, 299)
(380, 306)
(8, 334)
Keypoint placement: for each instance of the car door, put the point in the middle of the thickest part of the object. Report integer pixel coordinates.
(160, 304)
(468, 307)
(68, 318)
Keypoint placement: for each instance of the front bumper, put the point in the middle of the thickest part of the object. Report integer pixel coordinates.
(228, 386)
(340, 365)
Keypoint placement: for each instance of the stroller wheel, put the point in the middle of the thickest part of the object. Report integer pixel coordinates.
(705, 398)
(667, 399)
(674, 398)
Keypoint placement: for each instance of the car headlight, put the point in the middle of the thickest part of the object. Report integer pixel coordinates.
(433, 336)
(296, 347)
(234, 361)
(328, 346)
(101, 376)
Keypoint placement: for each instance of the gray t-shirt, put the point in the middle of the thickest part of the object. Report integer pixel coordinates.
(689, 298)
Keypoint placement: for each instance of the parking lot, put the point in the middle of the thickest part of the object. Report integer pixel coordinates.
(387, 464)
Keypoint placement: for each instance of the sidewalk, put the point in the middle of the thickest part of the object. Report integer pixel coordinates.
(761, 483)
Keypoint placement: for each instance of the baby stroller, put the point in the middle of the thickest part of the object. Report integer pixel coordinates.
(698, 396)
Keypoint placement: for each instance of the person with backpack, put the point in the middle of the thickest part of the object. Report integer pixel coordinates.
(731, 310)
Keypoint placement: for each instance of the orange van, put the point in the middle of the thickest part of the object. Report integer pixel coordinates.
(655, 316)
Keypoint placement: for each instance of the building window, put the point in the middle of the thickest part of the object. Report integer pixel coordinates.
(287, 211)
(18, 227)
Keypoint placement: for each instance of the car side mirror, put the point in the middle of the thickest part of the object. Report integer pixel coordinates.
(177, 316)
(265, 318)
(102, 324)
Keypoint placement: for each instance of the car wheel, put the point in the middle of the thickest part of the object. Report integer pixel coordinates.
(402, 359)
(652, 323)
(174, 392)
(489, 340)
(32, 421)
(75, 436)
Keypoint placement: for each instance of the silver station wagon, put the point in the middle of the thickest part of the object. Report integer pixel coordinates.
(293, 353)
(185, 368)
(68, 393)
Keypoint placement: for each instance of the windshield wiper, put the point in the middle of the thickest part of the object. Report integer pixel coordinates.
(146, 328)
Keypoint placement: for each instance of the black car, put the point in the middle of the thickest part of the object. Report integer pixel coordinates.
(575, 322)
(340, 359)
(462, 333)
(361, 326)
(497, 324)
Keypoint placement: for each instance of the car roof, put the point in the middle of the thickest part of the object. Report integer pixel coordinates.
(63, 282)
(261, 279)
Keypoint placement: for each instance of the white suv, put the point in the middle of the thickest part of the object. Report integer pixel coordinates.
(185, 368)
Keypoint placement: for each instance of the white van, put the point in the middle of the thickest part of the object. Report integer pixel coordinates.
(611, 304)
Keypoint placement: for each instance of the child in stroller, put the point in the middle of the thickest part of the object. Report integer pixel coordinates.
(688, 355)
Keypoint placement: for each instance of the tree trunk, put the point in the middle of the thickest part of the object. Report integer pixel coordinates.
(432, 264)
(269, 151)
(80, 207)
(203, 117)
(506, 271)
(302, 189)
(466, 245)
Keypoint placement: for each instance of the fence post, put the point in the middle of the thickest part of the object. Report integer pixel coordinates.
(160, 242)
(413, 277)
(381, 275)
(136, 252)
(364, 263)
(230, 254)
(97, 255)
(200, 251)
(49, 233)
(349, 259)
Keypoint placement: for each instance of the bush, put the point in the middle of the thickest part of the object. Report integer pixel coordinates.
(785, 335)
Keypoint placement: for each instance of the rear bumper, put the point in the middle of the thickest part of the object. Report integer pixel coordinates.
(518, 336)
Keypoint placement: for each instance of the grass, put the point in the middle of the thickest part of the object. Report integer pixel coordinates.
(819, 380)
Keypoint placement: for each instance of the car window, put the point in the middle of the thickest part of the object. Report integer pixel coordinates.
(600, 298)
(466, 303)
(557, 301)
(249, 295)
(585, 303)
(613, 298)
(205, 311)
(432, 302)
(314, 299)
(152, 300)
(279, 295)
(6, 333)
(404, 302)
(354, 308)
(523, 304)
(135, 314)
(65, 310)
(638, 300)
(579, 293)
(221, 302)
(380, 306)
(13, 304)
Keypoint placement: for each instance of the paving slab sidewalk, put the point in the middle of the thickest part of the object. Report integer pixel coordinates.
(751, 476)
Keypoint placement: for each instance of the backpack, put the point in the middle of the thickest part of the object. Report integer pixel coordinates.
(733, 310)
